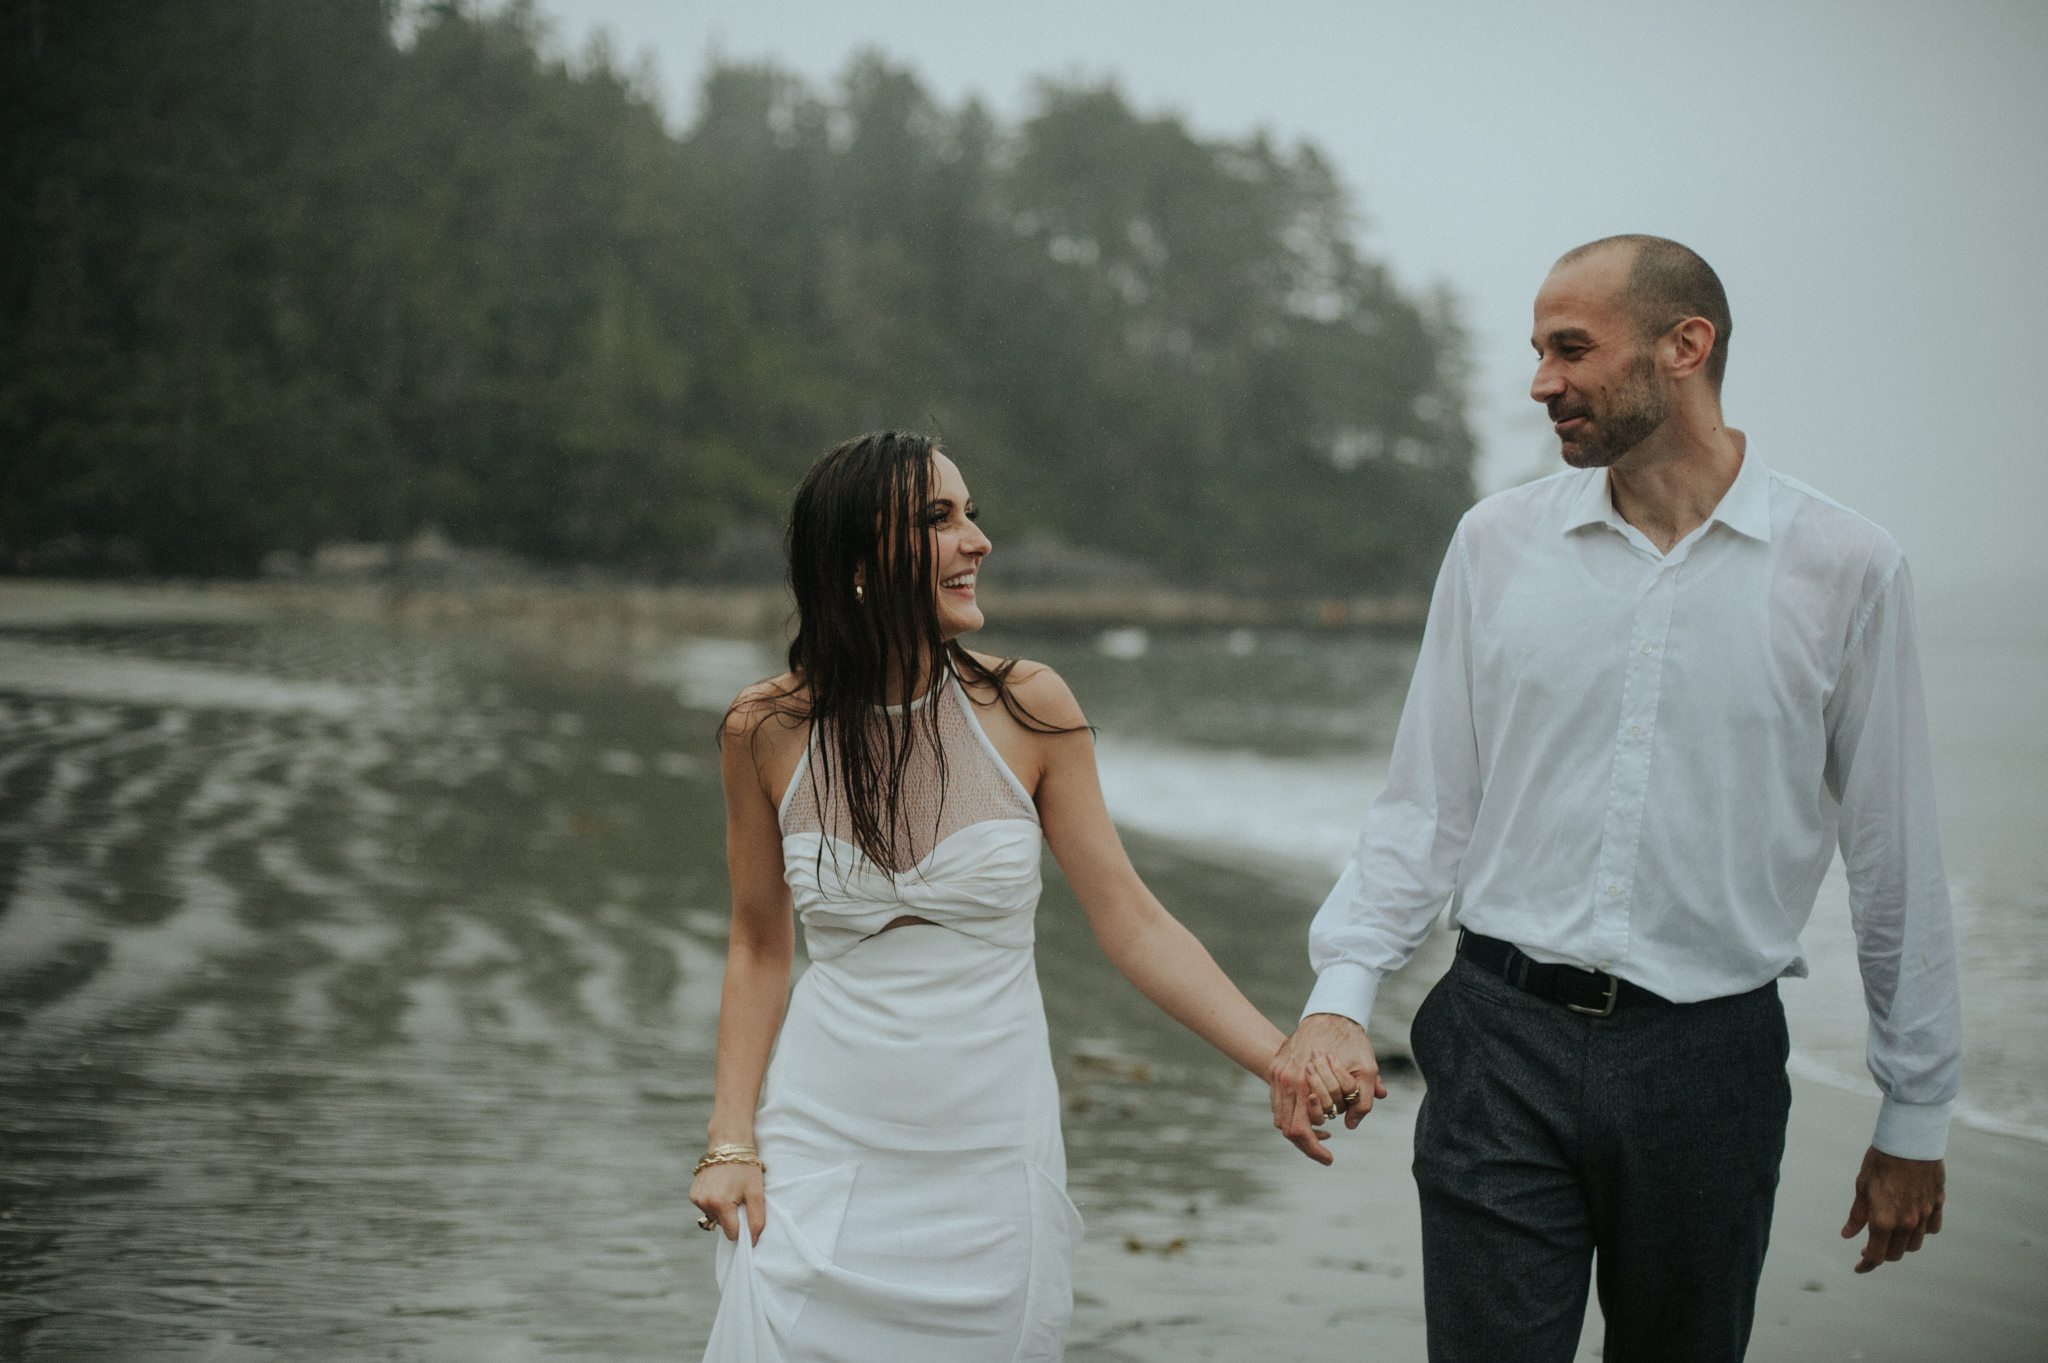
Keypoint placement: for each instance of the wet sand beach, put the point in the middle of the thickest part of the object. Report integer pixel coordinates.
(1327, 1263)
(358, 982)
(1323, 1263)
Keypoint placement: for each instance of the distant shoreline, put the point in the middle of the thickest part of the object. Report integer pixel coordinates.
(637, 615)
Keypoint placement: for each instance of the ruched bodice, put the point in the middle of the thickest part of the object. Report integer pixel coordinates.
(971, 842)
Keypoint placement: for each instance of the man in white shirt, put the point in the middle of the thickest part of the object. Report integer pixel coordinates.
(1655, 692)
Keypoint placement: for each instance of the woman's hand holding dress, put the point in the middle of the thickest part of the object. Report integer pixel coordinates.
(722, 1189)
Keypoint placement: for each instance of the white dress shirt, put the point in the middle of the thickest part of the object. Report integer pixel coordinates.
(1642, 763)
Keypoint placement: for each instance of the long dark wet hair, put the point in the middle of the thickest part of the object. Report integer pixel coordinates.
(862, 515)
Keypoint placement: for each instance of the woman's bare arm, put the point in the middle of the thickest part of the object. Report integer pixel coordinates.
(1145, 942)
(758, 954)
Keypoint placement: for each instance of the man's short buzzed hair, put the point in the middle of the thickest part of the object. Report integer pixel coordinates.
(1668, 283)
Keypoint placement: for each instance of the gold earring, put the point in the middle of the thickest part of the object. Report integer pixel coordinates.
(857, 596)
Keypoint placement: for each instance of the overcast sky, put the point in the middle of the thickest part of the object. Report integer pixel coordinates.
(1870, 179)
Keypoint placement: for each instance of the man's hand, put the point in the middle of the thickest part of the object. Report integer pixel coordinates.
(1899, 1199)
(1326, 1067)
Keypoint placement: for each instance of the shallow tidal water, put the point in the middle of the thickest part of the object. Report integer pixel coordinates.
(358, 991)
(358, 986)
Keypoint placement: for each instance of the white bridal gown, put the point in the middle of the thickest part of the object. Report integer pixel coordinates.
(917, 1205)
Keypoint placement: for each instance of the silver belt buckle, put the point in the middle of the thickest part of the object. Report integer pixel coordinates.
(1606, 1009)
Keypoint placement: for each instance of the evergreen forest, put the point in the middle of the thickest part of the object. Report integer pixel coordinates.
(282, 273)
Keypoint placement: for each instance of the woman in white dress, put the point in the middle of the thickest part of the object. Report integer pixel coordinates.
(897, 1166)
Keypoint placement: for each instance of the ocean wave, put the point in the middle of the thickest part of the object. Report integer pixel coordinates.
(1298, 818)
(82, 674)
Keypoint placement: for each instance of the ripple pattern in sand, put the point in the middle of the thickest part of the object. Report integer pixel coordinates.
(364, 1012)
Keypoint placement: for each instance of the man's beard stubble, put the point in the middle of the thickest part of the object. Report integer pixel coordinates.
(1638, 408)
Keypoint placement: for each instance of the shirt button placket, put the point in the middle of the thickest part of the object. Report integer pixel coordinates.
(1628, 785)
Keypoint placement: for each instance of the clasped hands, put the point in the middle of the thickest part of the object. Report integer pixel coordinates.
(1328, 1067)
(1325, 1069)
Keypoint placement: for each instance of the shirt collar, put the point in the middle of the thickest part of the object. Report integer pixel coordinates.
(1590, 504)
(1744, 508)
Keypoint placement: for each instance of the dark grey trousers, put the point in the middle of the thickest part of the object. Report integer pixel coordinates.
(1649, 1140)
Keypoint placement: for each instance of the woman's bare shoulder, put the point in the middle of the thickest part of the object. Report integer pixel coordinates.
(1041, 691)
(767, 709)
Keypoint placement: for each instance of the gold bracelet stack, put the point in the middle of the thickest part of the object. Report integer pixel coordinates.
(729, 1154)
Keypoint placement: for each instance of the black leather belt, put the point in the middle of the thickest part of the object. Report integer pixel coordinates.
(1592, 992)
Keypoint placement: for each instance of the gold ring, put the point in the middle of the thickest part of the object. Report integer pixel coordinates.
(1331, 1115)
(706, 1223)
(1352, 1096)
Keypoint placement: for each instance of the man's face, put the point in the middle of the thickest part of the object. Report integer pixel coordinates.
(1593, 373)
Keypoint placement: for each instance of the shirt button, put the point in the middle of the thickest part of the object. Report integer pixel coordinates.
(1646, 648)
(1602, 967)
(1635, 729)
(1614, 889)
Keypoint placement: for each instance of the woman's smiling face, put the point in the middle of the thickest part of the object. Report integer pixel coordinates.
(958, 547)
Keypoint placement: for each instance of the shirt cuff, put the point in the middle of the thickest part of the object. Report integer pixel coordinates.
(1346, 989)
(1912, 1130)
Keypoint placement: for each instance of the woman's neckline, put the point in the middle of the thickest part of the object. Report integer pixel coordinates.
(920, 702)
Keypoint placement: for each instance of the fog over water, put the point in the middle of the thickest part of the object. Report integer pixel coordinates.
(1868, 178)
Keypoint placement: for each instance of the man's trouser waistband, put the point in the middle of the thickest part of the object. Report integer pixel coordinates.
(1592, 992)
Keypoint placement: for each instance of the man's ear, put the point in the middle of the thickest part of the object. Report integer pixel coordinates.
(1685, 347)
